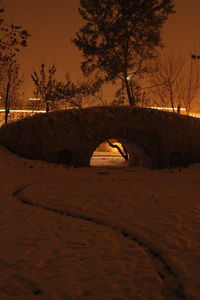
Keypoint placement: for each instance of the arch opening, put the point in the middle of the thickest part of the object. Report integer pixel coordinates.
(110, 153)
(119, 153)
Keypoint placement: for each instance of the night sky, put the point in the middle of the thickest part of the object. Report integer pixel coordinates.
(52, 24)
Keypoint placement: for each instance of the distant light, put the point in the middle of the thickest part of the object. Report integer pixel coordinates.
(24, 111)
(195, 115)
(183, 110)
(167, 108)
(34, 99)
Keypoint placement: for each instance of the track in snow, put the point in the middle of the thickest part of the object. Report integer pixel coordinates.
(172, 289)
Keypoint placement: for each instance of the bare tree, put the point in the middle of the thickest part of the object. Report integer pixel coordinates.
(12, 38)
(176, 82)
(190, 85)
(59, 94)
(45, 85)
(167, 80)
(10, 86)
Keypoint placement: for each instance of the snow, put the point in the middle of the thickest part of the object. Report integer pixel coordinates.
(98, 233)
(105, 159)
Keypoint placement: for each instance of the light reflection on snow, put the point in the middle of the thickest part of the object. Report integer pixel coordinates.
(107, 159)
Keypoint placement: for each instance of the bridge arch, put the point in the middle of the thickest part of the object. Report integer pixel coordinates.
(139, 153)
(71, 136)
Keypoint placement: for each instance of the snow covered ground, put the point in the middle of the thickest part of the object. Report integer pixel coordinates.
(106, 159)
(98, 233)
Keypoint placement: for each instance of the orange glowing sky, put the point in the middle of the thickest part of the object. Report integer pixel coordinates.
(52, 24)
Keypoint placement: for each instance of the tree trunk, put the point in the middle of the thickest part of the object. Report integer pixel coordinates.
(179, 109)
(128, 90)
(47, 106)
(7, 102)
(123, 154)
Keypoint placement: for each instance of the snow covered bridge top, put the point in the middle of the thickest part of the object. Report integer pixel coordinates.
(158, 138)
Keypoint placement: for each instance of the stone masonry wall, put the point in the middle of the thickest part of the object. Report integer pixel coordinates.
(71, 136)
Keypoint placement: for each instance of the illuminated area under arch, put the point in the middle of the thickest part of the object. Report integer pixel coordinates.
(106, 155)
(118, 153)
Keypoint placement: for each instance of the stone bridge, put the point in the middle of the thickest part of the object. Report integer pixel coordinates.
(157, 138)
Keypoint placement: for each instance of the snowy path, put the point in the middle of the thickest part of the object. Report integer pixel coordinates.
(98, 233)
